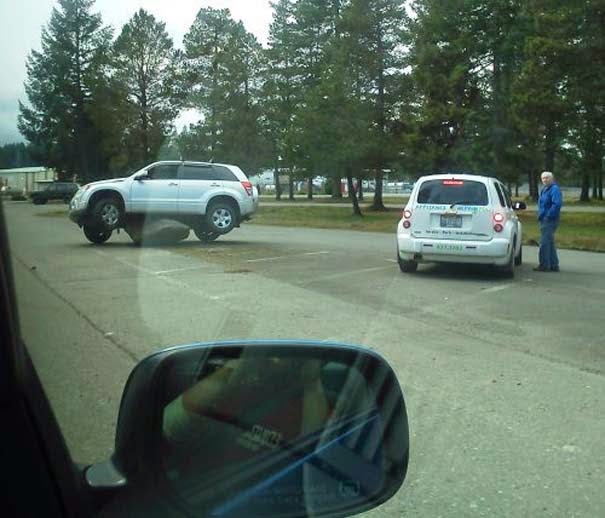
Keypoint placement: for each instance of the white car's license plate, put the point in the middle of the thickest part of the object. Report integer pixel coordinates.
(451, 221)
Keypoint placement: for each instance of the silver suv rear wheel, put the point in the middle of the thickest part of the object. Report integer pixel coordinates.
(220, 217)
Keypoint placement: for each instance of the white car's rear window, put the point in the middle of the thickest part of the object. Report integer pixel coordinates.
(451, 191)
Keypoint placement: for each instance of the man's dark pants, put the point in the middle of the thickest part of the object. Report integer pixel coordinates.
(548, 251)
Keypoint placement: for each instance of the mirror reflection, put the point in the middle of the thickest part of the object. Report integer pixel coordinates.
(301, 431)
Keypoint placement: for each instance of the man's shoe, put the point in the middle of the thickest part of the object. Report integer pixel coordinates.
(555, 269)
(541, 268)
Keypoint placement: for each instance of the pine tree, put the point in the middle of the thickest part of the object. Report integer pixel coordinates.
(144, 89)
(540, 93)
(375, 35)
(314, 30)
(281, 86)
(223, 67)
(61, 83)
(587, 95)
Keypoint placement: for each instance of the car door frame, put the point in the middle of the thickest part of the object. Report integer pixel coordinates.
(513, 216)
(35, 455)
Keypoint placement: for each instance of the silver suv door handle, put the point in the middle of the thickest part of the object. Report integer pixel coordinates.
(215, 185)
(173, 183)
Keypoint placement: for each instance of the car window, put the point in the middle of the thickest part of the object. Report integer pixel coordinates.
(500, 194)
(196, 172)
(223, 173)
(163, 172)
(507, 197)
(447, 192)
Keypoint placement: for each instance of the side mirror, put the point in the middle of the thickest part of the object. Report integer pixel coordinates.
(519, 205)
(260, 429)
(142, 176)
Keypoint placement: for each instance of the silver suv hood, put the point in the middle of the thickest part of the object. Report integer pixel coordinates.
(106, 182)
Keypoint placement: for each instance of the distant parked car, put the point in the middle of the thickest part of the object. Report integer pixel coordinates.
(54, 191)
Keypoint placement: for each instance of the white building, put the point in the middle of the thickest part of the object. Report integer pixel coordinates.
(23, 179)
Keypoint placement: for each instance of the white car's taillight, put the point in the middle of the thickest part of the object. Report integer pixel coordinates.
(406, 216)
(498, 217)
(498, 220)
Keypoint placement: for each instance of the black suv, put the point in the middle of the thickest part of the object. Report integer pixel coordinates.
(54, 191)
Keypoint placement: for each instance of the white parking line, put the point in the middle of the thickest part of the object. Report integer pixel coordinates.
(345, 274)
(136, 266)
(277, 257)
(497, 288)
(147, 271)
(176, 270)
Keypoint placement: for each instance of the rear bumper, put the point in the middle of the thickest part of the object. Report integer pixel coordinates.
(248, 207)
(495, 251)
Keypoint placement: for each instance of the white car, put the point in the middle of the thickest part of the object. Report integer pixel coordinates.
(460, 219)
(211, 199)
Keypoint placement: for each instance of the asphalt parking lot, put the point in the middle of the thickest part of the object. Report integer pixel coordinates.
(503, 378)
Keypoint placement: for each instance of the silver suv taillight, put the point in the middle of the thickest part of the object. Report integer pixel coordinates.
(248, 186)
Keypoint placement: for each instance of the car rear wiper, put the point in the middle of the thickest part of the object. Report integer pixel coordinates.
(463, 202)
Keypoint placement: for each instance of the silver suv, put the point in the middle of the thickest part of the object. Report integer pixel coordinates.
(210, 199)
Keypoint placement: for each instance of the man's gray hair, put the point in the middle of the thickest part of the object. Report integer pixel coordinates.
(547, 174)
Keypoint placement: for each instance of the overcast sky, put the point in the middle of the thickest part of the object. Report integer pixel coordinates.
(21, 22)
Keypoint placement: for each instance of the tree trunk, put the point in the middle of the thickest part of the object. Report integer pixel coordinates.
(360, 189)
(310, 188)
(352, 193)
(517, 190)
(498, 113)
(596, 166)
(290, 186)
(532, 180)
(276, 182)
(83, 150)
(336, 188)
(585, 190)
(378, 204)
(600, 152)
(145, 138)
(144, 125)
(549, 149)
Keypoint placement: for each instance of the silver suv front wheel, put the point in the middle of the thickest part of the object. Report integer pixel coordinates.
(107, 212)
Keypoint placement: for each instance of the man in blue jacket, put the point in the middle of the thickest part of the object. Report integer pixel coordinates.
(549, 211)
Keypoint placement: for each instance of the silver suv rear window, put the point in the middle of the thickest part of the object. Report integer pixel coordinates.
(450, 191)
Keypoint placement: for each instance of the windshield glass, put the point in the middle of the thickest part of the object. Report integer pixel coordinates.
(325, 114)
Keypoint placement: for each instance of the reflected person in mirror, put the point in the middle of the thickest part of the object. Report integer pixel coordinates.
(254, 406)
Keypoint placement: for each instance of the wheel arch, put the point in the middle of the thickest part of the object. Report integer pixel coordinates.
(103, 193)
(222, 198)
